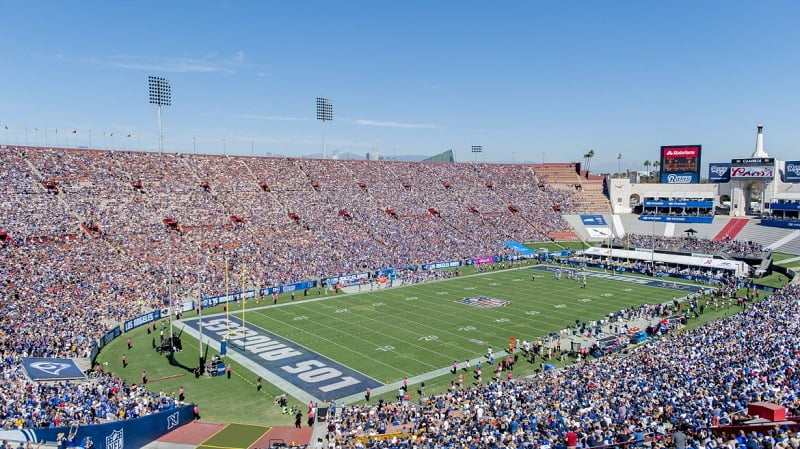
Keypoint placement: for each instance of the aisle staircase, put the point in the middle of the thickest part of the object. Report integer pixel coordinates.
(731, 229)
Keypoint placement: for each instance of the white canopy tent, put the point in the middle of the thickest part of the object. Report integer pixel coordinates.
(738, 267)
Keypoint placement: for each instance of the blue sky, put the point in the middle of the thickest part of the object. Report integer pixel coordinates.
(527, 80)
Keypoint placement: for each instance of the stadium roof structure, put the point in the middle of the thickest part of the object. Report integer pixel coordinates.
(446, 156)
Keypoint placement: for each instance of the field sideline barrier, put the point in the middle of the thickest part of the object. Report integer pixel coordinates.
(124, 434)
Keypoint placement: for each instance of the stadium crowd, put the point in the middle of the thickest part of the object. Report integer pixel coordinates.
(28, 404)
(96, 237)
(690, 382)
(89, 246)
(691, 245)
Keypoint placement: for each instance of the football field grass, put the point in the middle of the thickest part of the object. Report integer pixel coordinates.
(387, 334)
(393, 333)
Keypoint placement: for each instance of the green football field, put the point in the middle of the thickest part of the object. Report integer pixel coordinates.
(387, 334)
(394, 333)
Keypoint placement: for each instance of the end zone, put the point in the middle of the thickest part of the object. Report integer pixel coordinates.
(278, 359)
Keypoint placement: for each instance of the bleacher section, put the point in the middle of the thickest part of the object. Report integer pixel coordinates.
(789, 240)
(288, 219)
(588, 188)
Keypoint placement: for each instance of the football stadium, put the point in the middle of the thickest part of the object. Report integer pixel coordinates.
(161, 295)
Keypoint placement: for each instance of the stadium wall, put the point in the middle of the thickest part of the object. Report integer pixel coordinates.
(124, 434)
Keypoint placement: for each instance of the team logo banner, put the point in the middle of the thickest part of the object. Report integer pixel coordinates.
(484, 302)
(679, 178)
(593, 220)
(38, 368)
(792, 171)
(720, 172)
(756, 171)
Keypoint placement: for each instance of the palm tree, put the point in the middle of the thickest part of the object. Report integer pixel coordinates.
(587, 160)
(647, 165)
(656, 164)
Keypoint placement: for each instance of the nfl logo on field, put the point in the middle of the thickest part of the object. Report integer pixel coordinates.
(484, 302)
(115, 440)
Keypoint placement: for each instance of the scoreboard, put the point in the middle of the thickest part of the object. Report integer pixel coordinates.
(680, 164)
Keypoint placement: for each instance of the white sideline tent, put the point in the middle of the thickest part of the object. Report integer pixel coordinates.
(738, 267)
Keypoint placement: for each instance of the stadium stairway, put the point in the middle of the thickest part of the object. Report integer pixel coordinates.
(792, 246)
(765, 235)
(732, 229)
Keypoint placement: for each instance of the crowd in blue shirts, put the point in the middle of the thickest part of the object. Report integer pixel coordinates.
(691, 382)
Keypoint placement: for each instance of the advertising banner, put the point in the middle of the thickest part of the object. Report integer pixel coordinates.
(676, 218)
(680, 164)
(656, 203)
(719, 172)
(437, 265)
(792, 171)
(593, 220)
(781, 224)
(124, 434)
(784, 206)
(680, 178)
(141, 320)
(347, 279)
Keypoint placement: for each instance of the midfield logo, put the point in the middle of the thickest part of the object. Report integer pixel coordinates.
(484, 302)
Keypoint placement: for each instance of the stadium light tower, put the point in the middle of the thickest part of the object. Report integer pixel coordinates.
(475, 150)
(325, 114)
(160, 95)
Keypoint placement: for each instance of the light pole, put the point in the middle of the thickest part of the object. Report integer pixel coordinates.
(324, 114)
(475, 150)
(160, 95)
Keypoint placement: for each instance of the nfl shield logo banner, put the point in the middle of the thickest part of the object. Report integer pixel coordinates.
(115, 440)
